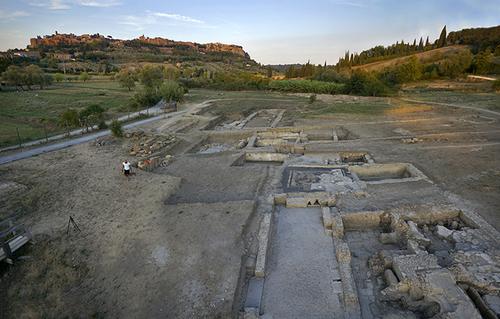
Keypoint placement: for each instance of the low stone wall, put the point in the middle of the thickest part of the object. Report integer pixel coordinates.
(362, 220)
(265, 157)
(302, 200)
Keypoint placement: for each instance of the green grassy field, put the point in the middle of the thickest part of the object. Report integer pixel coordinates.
(246, 102)
(32, 111)
(363, 108)
(487, 100)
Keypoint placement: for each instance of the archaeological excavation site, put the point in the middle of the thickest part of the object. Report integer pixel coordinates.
(246, 206)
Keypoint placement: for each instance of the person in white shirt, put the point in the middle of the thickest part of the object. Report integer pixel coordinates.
(126, 168)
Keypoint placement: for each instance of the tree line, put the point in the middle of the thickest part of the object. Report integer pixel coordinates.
(27, 76)
(398, 49)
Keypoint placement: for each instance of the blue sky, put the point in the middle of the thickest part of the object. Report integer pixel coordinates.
(271, 31)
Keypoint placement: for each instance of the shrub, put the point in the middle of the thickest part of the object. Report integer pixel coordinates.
(69, 118)
(84, 76)
(145, 98)
(102, 125)
(116, 128)
(306, 86)
(312, 98)
(171, 91)
(91, 115)
(126, 78)
(362, 83)
(59, 77)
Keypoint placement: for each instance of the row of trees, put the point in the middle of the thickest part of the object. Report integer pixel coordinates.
(84, 76)
(32, 75)
(398, 49)
(28, 76)
(87, 118)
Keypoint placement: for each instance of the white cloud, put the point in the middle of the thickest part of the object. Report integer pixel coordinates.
(12, 15)
(52, 4)
(99, 3)
(66, 4)
(138, 22)
(351, 3)
(150, 18)
(176, 17)
(355, 3)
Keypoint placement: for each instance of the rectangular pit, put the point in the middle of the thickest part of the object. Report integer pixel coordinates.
(219, 142)
(335, 134)
(260, 158)
(355, 158)
(387, 173)
(308, 179)
(263, 118)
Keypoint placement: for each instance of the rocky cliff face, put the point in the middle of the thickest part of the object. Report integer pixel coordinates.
(62, 40)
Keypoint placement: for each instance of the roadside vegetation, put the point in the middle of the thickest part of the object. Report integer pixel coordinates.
(34, 107)
(38, 113)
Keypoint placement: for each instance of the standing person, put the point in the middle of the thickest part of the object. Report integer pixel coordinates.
(126, 168)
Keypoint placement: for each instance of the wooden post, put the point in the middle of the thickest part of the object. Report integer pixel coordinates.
(19, 137)
(45, 131)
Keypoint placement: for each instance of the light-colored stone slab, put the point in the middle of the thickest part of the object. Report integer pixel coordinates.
(264, 232)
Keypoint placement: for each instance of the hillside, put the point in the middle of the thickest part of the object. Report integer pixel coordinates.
(69, 42)
(424, 57)
(478, 38)
(98, 53)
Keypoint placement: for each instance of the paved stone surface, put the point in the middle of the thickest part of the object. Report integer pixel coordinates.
(302, 275)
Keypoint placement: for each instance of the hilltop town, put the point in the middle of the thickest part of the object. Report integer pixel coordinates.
(68, 41)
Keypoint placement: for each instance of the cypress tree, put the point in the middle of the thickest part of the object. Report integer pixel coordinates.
(442, 38)
(421, 45)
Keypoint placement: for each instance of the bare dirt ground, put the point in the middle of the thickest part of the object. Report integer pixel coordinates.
(175, 242)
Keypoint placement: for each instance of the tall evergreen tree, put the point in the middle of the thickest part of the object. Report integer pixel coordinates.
(427, 43)
(442, 38)
(421, 45)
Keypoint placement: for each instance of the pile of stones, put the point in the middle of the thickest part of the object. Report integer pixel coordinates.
(412, 140)
(144, 145)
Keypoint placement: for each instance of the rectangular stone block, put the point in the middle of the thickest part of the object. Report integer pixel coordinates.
(280, 199)
(406, 267)
(327, 217)
(263, 237)
(337, 223)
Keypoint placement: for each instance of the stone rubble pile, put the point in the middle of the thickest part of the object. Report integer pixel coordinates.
(145, 145)
(150, 149)
(412, 140)
(420, 282)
